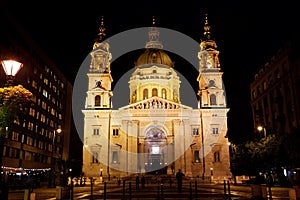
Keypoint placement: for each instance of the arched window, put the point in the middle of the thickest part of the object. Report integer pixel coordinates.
(154, 92)
(145, 94)
(97, 100)
(213, 99)
(217, 156)
(95, 157)
(164, 93)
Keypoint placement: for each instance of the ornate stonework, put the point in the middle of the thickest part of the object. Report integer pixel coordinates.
(155, 132)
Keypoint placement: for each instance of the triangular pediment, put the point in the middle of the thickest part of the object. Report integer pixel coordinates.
(155, 103)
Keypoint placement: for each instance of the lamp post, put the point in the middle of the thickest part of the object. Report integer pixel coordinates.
(211, 174)
(11, 68)
(101, 176)
(52, 153)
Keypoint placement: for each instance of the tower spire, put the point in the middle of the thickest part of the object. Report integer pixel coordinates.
(207, 33)
(101, 33)
(154, 37)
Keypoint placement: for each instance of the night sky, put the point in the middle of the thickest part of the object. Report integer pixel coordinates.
(247, 35)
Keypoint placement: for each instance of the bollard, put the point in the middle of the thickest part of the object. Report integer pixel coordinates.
(32, 196)
(123, 197)
(228, 188)
(225, 195)
(158, 195)
(72, 192)
(91, 197)
(26, 194)
(191, 192)
(104, 190)
(196, 191)
(162, 191)
(130, 190)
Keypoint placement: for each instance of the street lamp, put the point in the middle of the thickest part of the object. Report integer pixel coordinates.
(261, 128)
(211, 174)
(11, 68)
(101, 178)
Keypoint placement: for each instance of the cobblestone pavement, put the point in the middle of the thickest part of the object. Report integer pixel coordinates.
(152, 191)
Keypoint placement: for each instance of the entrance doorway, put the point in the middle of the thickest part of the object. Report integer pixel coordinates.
(155, 144)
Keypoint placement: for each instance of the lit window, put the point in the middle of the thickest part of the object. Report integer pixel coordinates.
(45, 93)
(115, 157)
(196, 156)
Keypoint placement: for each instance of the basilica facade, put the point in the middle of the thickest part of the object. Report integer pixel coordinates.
(155, 132)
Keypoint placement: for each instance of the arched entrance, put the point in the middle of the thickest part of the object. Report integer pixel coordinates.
(155, 143)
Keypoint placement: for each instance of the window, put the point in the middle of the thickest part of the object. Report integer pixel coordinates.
(217, 156)
(154, 92)
(97, 100)
(15, 136)
(95, 157)
(164, 93)
(195, 131)
(215, 131)
(45, 93)
(115, 132)
(115, 157)
(29, 140)
(196, 156)
(213, 99)
(145, 94)
(96, 131)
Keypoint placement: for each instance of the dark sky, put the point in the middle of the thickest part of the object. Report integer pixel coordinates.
(247, 35)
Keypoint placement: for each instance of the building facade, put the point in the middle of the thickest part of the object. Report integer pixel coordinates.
(155, 132)
(33, 143)
(275, 92)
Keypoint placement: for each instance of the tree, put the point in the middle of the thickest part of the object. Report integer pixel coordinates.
(13, 100)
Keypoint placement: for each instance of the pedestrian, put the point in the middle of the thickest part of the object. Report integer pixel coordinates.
(137, 182)
(143, 180)
(179, 176)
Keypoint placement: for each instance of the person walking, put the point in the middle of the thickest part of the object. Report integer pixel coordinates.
(143, 181)
(179, 176)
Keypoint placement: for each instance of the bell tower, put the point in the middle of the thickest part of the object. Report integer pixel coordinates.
(213, 109)
(99, 77)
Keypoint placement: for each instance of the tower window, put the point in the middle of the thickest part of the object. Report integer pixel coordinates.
(115, 157)
(95, 157)
(217, 156)
(96, 131)
(115, 132)
(196, 156)
(215, 131)
(195, 131)
(213, 99)
(97, 100)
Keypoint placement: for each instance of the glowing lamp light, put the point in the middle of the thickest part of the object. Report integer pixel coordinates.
(11, 67)
(259, 128)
